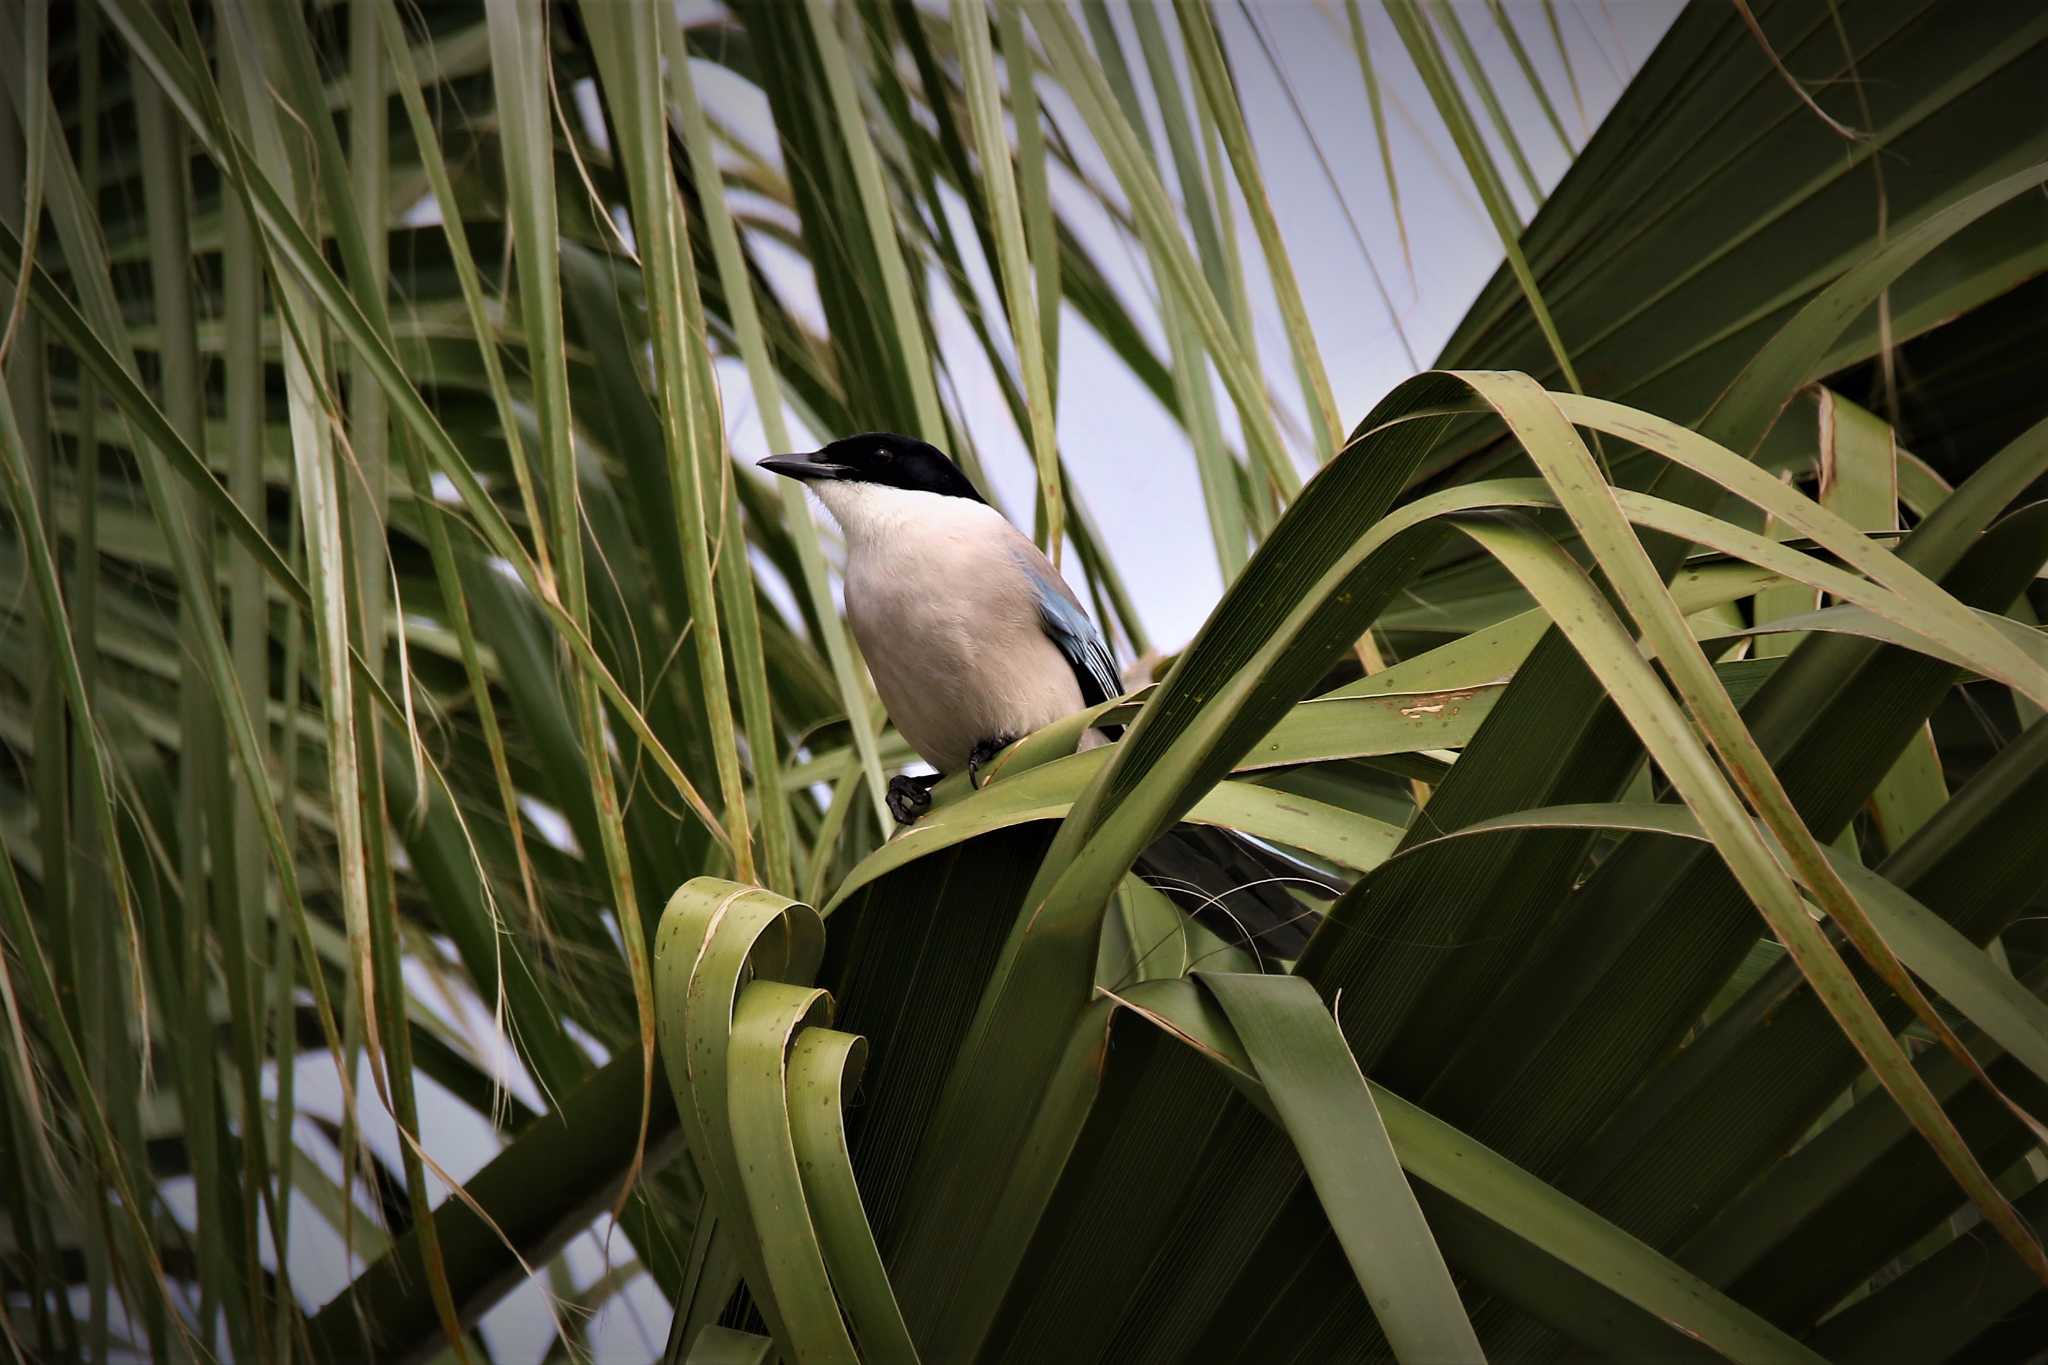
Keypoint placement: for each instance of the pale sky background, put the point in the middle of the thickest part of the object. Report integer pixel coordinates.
(1130, 460)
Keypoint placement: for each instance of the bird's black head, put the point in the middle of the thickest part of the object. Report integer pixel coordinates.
(879, 457)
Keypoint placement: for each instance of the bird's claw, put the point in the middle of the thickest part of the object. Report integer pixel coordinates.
(982, 753)
(910, 797)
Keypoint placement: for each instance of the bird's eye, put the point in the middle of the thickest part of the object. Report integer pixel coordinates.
(884, 453)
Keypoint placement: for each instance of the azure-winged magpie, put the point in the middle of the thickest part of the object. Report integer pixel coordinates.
(974, 641)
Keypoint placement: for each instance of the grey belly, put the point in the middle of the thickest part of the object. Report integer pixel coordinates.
(947, 687)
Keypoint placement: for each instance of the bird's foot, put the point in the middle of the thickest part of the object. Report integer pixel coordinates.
(910, 797)
(984, 751)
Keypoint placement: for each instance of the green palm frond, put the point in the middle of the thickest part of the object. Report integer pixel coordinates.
(417, 717)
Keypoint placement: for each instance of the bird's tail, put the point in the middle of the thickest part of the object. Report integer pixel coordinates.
(1239, 888)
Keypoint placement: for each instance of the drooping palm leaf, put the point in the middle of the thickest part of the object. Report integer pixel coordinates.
(395, 625)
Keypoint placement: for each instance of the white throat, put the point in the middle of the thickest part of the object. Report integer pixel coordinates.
(877, 517)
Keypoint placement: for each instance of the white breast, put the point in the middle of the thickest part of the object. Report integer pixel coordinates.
(947, 620)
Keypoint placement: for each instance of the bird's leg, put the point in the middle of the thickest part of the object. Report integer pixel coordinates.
(983, 751)
(910, 797)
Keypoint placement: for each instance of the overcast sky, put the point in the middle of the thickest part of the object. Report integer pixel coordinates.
(1131, 461)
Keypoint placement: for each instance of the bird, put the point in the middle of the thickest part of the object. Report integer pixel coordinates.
(974, 640)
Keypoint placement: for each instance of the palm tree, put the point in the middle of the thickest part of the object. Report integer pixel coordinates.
(415, 714)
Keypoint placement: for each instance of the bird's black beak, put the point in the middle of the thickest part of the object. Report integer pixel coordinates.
(807, 468)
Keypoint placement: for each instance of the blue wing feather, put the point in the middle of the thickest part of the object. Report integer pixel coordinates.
(1067, 626)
